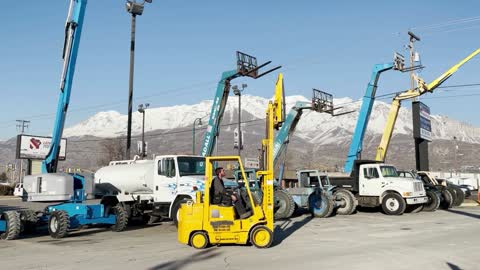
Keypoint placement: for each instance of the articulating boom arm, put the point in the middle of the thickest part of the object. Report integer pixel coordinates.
(364, 115)
(246, 66)
(73, 30)
(412, 93)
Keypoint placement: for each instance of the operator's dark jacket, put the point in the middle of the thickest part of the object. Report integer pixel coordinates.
(219, 193)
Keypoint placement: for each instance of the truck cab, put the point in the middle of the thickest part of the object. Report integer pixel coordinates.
(152, 187)
(375, 183)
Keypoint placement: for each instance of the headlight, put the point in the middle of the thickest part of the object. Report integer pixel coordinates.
(407, 194)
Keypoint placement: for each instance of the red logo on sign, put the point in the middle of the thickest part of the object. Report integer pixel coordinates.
(35, 143)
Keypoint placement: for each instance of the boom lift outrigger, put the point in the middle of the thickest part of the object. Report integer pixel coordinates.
(409, 94)
(202, 223)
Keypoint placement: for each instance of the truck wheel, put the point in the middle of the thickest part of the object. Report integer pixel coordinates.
(199, 240)
(393, 204)
(175, 210)
(29, 221)
(433, 201)
(58, 224)
(284, 204)
(447, 199)
(261, 236)
(459, 195)
(121, 218)
(347, 200)
(13, 224)
(321, 205)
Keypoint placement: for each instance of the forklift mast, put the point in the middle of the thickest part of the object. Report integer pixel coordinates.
(246, 66)
(73, 30)
(275, 116)
(421, 89)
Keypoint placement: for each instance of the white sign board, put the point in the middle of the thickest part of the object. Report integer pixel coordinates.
(252, 163)
(36, 147)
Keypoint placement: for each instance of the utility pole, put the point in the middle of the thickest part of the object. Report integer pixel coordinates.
(238, 92)
(413, 38)
(21, 126)
(141, 109)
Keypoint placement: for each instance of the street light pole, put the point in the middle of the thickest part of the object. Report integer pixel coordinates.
(135, 9)
(193, 133)
(141, 109)
(238, 93)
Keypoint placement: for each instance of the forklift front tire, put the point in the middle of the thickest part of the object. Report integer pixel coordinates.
(261, 237)
(199, 240)
(121, 218)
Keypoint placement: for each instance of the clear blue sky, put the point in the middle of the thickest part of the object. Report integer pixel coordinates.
(183, 46)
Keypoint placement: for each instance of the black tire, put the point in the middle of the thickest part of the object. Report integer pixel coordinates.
(393, 204)
(459, 195)
(320, 205)
(348, 202)
(121, 218)
(29, 221)
(13, 225)
(261, 236)
(433, 201)
(284, 204)
(175, 208)
(58, 224)
(199, 240)
(447, 199)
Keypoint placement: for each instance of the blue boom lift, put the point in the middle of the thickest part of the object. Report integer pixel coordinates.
(74, 213)
(367, 105)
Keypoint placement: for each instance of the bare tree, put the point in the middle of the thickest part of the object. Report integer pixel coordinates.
(113, 149)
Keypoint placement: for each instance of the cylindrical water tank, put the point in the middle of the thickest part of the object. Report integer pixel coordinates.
(126, 178)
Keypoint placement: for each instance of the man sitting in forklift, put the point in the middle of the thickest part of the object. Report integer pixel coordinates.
(221, 196)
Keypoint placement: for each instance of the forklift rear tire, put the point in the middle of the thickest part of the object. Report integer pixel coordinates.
(261, 236)
(285, 205)
(393, 204)
(459, 195)
(321, 206)
(12, 218)
(433, 201)
(447, 199)
(58, 224)
(348, 200)
(28, 220)
(121, 218)
(199, 240)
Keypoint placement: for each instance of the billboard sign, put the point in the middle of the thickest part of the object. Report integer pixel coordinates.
(36, 147)
(422, 126)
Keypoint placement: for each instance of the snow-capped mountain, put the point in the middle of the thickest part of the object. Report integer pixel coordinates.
(320, 128)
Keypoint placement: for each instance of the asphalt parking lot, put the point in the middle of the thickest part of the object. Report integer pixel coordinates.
(365, 240)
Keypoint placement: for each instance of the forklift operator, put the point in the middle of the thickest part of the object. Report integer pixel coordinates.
(220, 196)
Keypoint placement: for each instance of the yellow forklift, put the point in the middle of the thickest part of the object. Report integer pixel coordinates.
(202, 223)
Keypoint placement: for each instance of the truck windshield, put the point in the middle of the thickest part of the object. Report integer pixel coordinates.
(191, 165)
(388, 171)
